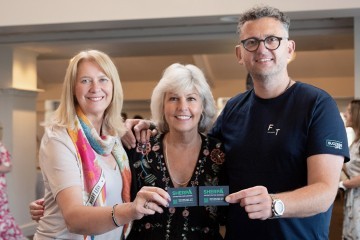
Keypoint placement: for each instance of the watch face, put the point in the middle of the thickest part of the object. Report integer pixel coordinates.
(279, 207)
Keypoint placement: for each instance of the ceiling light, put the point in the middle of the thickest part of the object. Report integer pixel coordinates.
(234, 19)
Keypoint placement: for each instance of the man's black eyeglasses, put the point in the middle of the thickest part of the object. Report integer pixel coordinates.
(270, 42)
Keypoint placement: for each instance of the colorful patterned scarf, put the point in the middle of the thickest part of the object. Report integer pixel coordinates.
(87, 142)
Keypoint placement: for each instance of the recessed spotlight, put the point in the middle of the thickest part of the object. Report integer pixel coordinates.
(234, 19)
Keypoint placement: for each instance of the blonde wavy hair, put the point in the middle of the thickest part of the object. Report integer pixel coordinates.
(65, 114)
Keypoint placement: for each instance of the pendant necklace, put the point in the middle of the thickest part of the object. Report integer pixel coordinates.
(181, 184)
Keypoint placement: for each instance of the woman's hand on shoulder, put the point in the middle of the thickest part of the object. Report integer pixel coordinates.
(138, 130)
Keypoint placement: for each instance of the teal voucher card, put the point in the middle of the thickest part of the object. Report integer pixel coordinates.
(183, 197)
(213, 195)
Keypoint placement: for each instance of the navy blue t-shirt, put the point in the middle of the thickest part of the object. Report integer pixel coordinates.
(267, 142)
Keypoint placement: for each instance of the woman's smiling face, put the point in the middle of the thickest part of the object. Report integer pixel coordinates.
(93, 89)
(183, 110)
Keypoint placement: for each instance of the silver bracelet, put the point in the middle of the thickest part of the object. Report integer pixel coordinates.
(113, 216)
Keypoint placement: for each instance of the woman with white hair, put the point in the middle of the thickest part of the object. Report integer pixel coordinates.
(180, 155)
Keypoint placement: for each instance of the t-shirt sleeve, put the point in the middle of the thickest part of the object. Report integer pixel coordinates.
(327, 134)
(59, 164)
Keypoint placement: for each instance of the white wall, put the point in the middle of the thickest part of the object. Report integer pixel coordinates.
(18, 117)
(19, 12)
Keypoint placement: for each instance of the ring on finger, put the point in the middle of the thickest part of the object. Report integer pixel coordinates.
(146, 204)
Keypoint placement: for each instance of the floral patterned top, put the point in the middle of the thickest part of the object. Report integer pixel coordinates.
(149, 169)
(9, 230)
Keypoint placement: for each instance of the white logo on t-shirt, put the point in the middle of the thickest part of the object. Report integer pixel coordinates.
(272, 129)
(334, 144)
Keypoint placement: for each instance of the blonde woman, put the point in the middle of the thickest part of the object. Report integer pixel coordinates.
(85, 168)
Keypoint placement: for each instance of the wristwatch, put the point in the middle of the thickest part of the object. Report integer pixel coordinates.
(277, 207)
